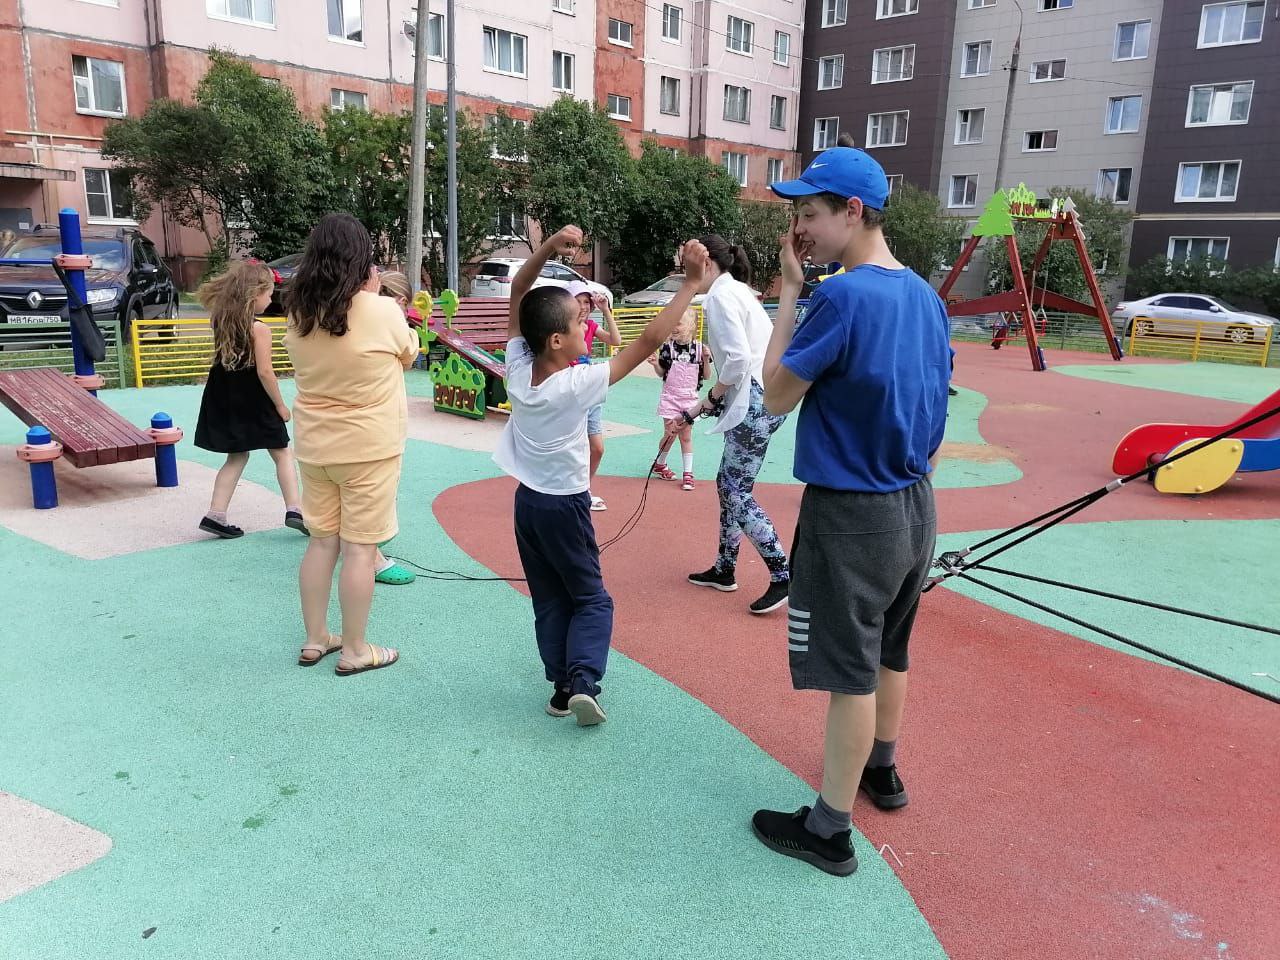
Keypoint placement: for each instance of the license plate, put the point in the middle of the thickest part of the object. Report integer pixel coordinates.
(34, 318)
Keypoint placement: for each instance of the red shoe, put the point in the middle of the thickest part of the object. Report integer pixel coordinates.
(662, 471)
(688, 482)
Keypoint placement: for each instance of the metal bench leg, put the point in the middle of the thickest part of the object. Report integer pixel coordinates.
(166, 436)
(40, 451)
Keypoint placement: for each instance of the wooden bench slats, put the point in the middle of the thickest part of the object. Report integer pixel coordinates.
(91, 433)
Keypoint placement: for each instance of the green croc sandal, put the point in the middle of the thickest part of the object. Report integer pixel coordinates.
(396, 574)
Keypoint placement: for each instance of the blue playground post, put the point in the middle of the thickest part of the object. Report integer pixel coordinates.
(166, 437)
(72, 244)
(44, 487)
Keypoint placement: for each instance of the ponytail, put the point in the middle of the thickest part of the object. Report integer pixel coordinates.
(730, 259)
(741, 267)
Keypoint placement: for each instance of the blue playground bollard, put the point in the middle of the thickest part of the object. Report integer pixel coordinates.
(40, 451)
(73, 245)
(166, 436)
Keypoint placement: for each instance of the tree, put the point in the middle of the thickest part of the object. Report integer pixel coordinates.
(579, 170)
(763, 223)
(1249, 288)
(919, 232)
(673, 198)
(369, 161)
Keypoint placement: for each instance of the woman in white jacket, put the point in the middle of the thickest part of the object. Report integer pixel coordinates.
(738, 331)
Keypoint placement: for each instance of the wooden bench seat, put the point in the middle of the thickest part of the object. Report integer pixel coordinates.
(91, 433)
(482, 320)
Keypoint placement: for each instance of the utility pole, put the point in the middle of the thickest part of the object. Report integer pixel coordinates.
(451, 106)
(418, 154)
(1008, 101)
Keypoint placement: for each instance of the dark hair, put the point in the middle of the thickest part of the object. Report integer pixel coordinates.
(545, 311)
(846, 140)
(871, 216)
(732, 259)
(335, 264)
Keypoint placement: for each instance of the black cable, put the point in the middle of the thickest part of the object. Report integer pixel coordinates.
(1079, 505)
(453, 574)
(1134, 600)
(1203, 671)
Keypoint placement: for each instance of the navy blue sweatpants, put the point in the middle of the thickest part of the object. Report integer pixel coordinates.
(572, 612)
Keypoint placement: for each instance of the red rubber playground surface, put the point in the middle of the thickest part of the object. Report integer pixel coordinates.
(1068, 800)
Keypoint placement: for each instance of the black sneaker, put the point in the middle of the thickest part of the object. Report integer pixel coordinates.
(884, 787)
(292, 518)
(558, 705)
(774, 597)
(952, 392)
(587, 709)
(722, 581)
(785, 833)
(226, 531)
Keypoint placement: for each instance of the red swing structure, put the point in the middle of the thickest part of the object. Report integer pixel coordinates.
(1024, 301)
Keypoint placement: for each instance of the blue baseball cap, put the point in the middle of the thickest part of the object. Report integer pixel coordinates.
(844, 171)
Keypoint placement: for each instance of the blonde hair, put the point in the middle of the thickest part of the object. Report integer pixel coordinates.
(229, 298)
(690, 317)
(394, 284)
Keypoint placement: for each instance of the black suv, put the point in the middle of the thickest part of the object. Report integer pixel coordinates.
(128, 281)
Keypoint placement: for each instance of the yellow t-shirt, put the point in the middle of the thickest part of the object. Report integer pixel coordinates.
(351, 405)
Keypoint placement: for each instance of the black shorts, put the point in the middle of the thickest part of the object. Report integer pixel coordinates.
(858, 564)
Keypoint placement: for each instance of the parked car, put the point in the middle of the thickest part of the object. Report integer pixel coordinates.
(661, 293)
(1177, 314)
(493, 278)
(128, 281)
(282, 272)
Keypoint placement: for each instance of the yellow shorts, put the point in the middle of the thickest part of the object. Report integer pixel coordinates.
(356, 501)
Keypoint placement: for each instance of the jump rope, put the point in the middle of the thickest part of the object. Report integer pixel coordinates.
(955, 563)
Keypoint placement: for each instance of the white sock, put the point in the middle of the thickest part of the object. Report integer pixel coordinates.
(688, 462)
(662, 456)
(387, 564)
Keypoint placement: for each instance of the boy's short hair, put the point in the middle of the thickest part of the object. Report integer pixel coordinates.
(545, 311)
(871, 216)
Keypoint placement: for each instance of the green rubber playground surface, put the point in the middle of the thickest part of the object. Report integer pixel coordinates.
(1216, 381)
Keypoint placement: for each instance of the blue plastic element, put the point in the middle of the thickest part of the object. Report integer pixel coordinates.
(166, 455)
(1260, 455)
(44, 486)
(69, 230)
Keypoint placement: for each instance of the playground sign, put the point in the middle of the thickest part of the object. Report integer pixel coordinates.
(1020, 203)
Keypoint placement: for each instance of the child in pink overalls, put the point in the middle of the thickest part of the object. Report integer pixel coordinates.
(684, 363)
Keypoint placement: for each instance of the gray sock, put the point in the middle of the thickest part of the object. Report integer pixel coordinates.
(825, 821)
(217, 516)
(882, 753)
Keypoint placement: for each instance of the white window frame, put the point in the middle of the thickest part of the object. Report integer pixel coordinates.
(1201, 43)
(969, 125)
(964, 58)
(559, 61)
(617, 40)
(725, 162)
(668, 9)
(1221, 165)
(1214, 88)
(108, 196)
(835, 13)
(776, 171)
(1112, 194)
(508, 207)
(875, 122)
(342, 15)
(1044, 134)
(908, 59)
(435, 22)
(981, 4)
(490, 122)
(497, 33)
(819, 127)
(1187, 257)
(338, 98)
(662, 95)
(1106, 122)
(613, 100)
(951, 191)
(774, 100)
(785, 45)
(740, 95)
(103, 3)
(564, 6)
(743, 39)
(85, 84)
(895, 181)
(1115, 49)
(221, 10)
(1048, 77)
(836, 60)
(1049, 6)
(885, 11)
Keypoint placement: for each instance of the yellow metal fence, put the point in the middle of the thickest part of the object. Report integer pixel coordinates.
(631, 320)
(1212, 340)
(169, 350)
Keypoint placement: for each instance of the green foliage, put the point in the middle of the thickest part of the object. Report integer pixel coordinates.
(1251, 288)
(673, 198)
(369, 158)
(763, 224)
(919, 231)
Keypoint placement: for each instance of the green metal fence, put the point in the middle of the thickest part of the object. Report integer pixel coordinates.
(49, 345)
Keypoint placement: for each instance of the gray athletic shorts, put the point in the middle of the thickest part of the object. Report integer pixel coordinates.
(858, 563)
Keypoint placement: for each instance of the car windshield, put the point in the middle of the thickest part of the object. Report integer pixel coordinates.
(491, 269)
(667, 284)
(106, 254)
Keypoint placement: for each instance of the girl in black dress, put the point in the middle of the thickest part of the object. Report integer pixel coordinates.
(242, 409)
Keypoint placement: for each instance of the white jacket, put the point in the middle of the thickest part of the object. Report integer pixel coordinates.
(738, 331)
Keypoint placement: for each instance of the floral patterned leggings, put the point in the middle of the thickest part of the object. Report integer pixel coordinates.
(744, 449)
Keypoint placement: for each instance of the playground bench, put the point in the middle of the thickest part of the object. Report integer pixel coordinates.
(482, 320)
(91, 433)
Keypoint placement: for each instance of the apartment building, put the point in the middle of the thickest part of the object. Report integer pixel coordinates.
(1209, 181)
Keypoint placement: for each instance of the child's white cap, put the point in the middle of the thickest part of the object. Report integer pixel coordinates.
(577, 288)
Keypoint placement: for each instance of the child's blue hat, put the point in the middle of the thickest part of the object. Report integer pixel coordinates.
(844, 171)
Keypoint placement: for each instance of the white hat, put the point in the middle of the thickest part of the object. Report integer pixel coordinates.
(577, 288)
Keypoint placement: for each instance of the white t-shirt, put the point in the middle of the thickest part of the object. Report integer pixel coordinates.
(544, 444)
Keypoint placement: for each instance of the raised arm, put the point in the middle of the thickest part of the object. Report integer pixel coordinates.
(566, 240)
(660, 328)
(609, 333)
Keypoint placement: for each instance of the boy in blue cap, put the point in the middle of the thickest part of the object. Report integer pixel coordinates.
(871, 363)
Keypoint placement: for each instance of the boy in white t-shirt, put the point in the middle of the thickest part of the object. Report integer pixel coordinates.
(544, 446)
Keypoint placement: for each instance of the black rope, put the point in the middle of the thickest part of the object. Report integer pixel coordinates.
(1203, 671)
(1134, 600)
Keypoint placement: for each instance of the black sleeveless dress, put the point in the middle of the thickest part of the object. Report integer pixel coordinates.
(236, 415)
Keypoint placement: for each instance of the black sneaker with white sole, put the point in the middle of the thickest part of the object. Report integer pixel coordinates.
(558, 705)
(774, 597)
(884, 787)
(785, 833)
(227, 531)
(586, 709)
(292, 518)
(723, 581)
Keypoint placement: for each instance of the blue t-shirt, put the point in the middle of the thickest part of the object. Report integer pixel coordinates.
(876, 345)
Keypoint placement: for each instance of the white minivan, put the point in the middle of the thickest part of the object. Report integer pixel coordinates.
(494, 277)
